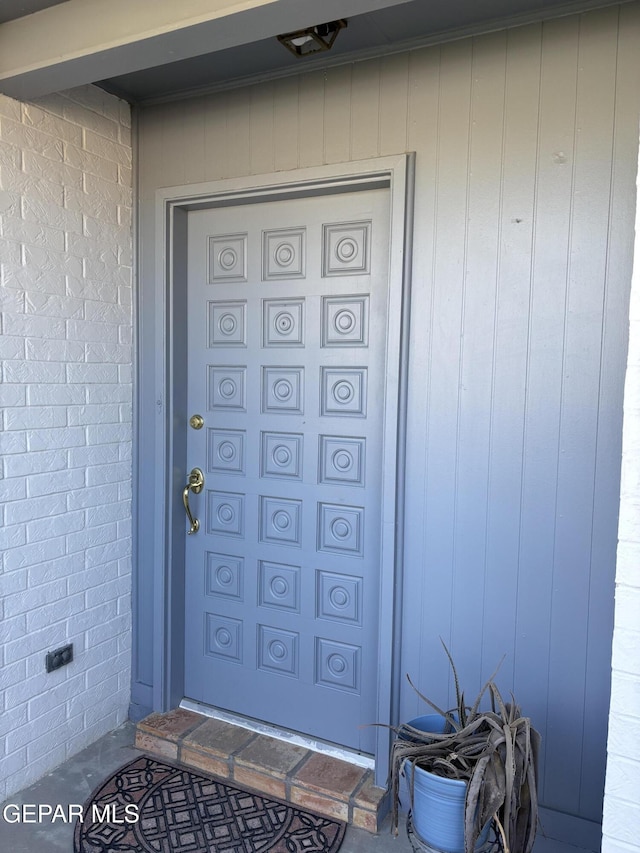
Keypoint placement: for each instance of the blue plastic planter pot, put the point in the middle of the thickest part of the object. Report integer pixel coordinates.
(438, 803)
(430, 723)
(427, 723)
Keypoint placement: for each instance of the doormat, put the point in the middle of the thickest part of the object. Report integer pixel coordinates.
(148, 805)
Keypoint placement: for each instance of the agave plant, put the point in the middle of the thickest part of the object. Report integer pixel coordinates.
(495, 751)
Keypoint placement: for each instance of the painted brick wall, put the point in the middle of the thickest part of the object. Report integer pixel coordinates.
(65, 351)
(621, 824)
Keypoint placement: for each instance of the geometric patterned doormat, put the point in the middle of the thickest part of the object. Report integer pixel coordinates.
(151, 806)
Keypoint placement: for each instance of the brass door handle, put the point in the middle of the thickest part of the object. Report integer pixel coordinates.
(195, 484)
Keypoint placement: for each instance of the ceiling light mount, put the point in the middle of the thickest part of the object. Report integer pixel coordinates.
(312, 39)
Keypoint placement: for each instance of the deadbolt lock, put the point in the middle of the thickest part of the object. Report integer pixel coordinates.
(196, 421)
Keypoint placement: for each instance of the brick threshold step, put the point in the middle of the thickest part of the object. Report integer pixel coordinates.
(276, 768)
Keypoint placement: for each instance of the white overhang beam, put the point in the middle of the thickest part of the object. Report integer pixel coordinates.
(81, 41)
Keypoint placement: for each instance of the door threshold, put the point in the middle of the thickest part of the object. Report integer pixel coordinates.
(359, 759)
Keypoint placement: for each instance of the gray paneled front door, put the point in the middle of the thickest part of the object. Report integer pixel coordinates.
(287, 358)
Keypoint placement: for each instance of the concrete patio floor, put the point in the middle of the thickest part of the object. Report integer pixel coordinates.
(73, 782)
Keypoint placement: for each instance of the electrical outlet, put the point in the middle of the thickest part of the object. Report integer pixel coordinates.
(59, 657)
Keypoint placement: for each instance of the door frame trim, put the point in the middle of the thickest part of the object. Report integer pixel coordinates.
(169, 457)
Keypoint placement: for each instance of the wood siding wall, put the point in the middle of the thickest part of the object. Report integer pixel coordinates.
(526, 144)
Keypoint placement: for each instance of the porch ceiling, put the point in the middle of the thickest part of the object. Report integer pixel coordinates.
(158, 49)
(12, 9)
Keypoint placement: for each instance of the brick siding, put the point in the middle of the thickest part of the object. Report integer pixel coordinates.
(65, 443)
(621, 825)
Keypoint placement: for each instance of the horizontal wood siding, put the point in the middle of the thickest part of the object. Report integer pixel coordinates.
(526, 143)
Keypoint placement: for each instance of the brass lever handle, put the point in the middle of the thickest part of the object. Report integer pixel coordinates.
(195, 484)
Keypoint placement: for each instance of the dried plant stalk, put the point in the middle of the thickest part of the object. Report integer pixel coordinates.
(495, 752)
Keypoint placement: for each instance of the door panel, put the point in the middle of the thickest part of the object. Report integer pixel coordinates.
(287, 348)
